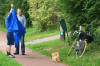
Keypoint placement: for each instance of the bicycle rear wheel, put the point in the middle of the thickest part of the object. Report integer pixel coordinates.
(78, 50)
(70, 50)
(84, 48)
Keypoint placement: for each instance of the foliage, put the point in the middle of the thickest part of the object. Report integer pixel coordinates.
(3, 8)
(97, 36)
(43, 14)
(5, 61)
(81, 12)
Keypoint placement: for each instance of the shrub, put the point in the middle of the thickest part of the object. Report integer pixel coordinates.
(43, 14)
(97, 36)
(81, 12)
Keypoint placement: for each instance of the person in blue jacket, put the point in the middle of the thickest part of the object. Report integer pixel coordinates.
(10, 36)
(15, 30)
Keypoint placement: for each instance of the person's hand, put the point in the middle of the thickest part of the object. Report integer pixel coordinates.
(11, 10)
(12, 5)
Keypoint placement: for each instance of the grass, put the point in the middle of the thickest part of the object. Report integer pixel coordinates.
(32, 34)
(5, 61)
(3, 29)
(91, 58)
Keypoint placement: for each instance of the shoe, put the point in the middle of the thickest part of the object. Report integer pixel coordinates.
(23, 53)
(16, 53)
(11, 56)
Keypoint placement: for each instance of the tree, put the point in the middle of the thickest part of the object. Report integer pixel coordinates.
(81, 12)
(3, 12)
(43, 14)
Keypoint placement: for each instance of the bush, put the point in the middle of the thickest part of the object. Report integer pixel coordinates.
(97, 36)
(43, 14)
(81, 12)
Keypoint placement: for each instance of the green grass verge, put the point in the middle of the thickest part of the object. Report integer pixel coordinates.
(3, 29)
(91, 58)
(32, 34)
(5, 61)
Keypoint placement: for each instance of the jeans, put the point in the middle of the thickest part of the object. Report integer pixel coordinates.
(22, 46)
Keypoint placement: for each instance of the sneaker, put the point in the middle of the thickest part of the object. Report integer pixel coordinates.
(11, 56)
(16, 53)
(23, 53)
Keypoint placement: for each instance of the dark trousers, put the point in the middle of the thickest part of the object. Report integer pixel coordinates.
(22, 46)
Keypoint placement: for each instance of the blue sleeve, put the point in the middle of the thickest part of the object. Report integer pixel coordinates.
(8, 17)
(7, 20)
(13, 12)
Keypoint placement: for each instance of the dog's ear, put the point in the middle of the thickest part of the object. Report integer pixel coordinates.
(51, 51)
(57, 50)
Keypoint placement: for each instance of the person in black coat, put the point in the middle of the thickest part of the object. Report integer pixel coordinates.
(63, 29)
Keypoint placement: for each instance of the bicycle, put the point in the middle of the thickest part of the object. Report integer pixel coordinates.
(80, 43)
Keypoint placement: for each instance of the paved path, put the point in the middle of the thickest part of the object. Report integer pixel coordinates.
(31, 58)
(43, 39)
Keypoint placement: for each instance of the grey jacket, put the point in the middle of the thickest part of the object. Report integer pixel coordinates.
(22, 19)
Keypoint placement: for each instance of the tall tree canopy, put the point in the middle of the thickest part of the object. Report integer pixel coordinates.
(3, 8)
(81, 12)
(43, 14)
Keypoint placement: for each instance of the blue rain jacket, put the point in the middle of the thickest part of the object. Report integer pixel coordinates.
(15, 26)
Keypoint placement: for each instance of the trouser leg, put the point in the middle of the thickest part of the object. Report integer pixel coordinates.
(22, 44)
(17, 48)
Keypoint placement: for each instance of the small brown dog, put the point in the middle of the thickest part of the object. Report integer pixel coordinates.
(55, 55)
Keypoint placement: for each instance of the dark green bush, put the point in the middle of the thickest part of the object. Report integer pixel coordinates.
(97, 36)
(43, 14)
(81, 12)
